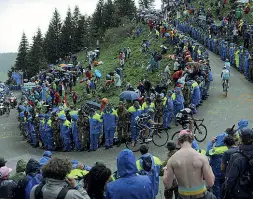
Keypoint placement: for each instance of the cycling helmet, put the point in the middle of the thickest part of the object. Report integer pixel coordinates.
(192, 106)
(151, 112)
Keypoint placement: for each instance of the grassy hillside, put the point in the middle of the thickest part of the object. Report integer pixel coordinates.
(224, 11)
(135, 68)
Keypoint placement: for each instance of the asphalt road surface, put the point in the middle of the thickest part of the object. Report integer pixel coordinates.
(219, 113)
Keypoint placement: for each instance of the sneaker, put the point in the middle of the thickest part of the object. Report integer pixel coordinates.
(148, 140)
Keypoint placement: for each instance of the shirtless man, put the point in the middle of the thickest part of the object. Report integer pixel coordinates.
(190, 169)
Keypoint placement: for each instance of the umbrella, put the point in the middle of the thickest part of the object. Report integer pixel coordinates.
(98, 73)
(167, 34)
(94, 105)
(129, 95)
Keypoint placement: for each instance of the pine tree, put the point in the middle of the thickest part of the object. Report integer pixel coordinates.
(88, 32)
(77, 33)
(67, 34)
(146, 4)
(52, 49)
(108, 13)
(36, 59)
(21, 60)
(124, 9)
(96, 25)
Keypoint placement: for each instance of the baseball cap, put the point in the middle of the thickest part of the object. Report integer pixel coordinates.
(2, 161)
(246, 132)
(4, 171)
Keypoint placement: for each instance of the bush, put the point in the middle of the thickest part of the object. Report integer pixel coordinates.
(115, 35)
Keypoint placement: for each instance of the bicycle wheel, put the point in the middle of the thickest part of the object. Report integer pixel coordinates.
(160, 137)
(175, 136)
(225, 89)
(200, 133)
(133, 146)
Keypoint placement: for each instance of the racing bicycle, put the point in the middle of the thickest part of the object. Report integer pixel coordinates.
(200, 131)
(157, 135)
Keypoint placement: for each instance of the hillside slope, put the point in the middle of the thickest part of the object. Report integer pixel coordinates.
(135, 68)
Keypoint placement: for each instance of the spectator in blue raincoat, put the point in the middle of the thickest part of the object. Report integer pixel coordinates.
(95, 128)
(150, 166)
(65, 133)
(178, 100)
(195, 93)
(75, 132)
(129, 184)
(134, 111)
(30, 129)
(49, 142)
(32, 132)
(47, 155)
(168, 111)
(110, 120)
(215, 150)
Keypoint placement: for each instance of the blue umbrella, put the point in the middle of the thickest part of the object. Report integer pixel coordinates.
(94, 105)
(129, 95)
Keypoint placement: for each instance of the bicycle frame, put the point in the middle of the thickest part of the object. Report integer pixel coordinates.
(144, 128)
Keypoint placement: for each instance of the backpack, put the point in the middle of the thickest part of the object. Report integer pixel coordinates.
(33, 181)
(38, 194)
(246, 178)
(146, 164)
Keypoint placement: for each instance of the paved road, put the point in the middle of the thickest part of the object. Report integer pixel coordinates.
(219, 113)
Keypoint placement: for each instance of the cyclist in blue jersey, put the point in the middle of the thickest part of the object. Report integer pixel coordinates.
(225, 75)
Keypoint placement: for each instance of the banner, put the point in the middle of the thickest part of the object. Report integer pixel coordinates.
(17, 77)
(29, 85)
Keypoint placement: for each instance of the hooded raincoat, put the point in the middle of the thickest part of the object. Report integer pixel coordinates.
(75, 132)
(129, 184)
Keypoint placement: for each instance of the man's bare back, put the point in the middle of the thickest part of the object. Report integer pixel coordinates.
(187, 165)
(190, 169)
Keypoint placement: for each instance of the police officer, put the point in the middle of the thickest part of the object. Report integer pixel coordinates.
(41, 131)
(49, 143)
(168, 111)
(65, 133)
(95, 128)
(110, 120)
(134, 111)
(75, 132)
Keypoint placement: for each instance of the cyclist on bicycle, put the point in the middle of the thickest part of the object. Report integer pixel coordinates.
(225, 75)
(144, 121)
(227, 64)
(7, 106)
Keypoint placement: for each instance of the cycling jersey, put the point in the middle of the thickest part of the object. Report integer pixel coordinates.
(143, 119)
(225, 75)
(227, 64)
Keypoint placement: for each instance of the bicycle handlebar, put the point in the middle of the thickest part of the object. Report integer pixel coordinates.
(199, 120)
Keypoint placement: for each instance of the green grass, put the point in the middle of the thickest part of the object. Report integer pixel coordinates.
(133, 72)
